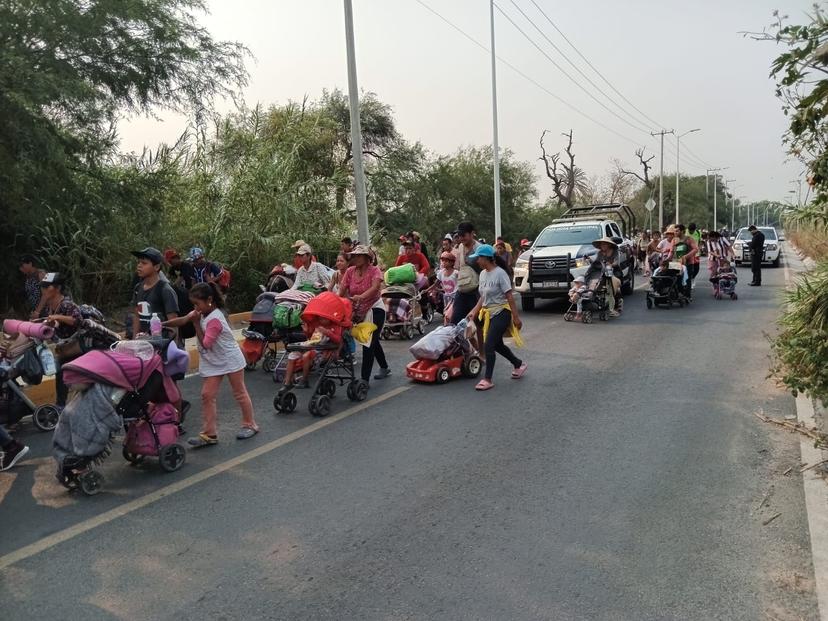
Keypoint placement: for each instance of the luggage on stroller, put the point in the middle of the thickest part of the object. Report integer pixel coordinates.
(89, 336)
(443, 354)
(336, 360)
(270, 322)
(404, 312)
(112, 389)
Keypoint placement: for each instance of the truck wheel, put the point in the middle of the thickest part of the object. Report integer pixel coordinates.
(527, 303)
(776, 262)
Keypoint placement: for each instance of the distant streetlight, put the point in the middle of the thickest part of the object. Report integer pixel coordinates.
(495, 148)
(678, 165)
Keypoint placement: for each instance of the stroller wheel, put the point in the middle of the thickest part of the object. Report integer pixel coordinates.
(569, 316)
(46, 417)
(286, 403)
(133, 458)
(408, 333)
(171, 457)
(320, 405)
(603, 316)
(472, 367)
(269, 362)
(586, 317)
(357, 390)
(327, 387)
(421, 326)
(90, 482)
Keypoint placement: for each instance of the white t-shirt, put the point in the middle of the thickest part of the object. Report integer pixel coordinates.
(448, 282)
(225, 356)
(314, 275)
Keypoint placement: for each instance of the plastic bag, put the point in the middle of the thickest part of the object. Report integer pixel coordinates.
(363, 332)
(433, 344)
(30, 368)
(140, 349)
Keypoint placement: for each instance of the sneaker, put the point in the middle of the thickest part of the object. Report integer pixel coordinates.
(13, 454)
(382, 374)
(614, 313)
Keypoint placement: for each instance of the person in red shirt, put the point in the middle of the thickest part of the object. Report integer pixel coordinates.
(417, 259)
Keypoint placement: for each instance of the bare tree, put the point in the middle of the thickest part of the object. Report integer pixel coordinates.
(567, 179)
(645, 164)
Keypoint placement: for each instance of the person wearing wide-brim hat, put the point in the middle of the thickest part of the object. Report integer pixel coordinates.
(607, 257)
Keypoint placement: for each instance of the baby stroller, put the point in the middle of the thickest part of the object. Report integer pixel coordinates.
(403, 312)
(667, 289)
(270, 325)
(724, 283)
(24, 359)
(135, 387)
(443, 354)
(333, 369)
(592, 303)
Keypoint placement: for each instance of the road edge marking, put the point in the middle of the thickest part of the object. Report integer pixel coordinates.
(122, 510)
(816, 493)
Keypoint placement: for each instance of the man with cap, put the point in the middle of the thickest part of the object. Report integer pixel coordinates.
(413, 256)
(757, 249)
(203, 270)
(310, 272)
(154, 293)
(64, 315)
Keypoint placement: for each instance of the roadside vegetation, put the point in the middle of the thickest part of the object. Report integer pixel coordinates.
(801, 73)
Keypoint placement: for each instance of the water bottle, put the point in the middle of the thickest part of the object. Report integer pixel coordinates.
(155, 325)
(47, 359)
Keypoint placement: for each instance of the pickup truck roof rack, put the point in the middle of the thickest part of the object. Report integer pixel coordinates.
(623, 213)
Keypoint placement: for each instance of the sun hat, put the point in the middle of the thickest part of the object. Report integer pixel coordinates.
(604, 240)
(448, 256)
(579, 279)
(671, 230)
(196, 253)
(305, 249)
(360, 250)
(151, 254)
(525, 242)
(484, 250)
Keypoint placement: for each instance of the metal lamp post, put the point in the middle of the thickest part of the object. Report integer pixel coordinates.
(678, 165)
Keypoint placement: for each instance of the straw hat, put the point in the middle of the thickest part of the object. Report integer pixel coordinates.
(604, 240)
(671, 230)
(360, 250)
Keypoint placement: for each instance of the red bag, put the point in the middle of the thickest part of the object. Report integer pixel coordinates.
(224, 278)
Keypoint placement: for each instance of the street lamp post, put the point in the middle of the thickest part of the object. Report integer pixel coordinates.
(661, 178)
(732, 203)
(495, 149)
(715, 172)
(678, 165)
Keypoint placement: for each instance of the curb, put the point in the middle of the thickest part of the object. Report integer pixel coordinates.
(45, 391)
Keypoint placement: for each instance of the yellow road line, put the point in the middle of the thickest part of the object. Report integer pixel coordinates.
(113, 514)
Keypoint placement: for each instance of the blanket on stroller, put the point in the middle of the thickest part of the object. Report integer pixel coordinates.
(86, 425)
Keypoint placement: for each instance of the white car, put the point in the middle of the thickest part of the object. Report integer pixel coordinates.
(773, 246)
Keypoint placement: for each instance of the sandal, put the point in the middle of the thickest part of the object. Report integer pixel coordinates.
(484, 384)
(246, 433)
(202, 440)
(518, 372)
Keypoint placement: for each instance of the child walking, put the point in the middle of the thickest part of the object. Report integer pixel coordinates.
(219, 356)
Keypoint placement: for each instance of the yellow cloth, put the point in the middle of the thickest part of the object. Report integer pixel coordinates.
(486, 317)
(362, 333)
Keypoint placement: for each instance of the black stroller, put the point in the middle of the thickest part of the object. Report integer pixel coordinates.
(666, 289)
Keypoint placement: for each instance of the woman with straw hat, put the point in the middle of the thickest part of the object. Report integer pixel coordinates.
(607, 257)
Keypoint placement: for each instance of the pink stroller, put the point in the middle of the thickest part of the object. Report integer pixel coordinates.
(120, 389)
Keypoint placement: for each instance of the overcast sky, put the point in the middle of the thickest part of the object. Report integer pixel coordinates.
(683, 64)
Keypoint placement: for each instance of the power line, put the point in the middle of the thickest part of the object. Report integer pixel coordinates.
(551, 60)
(574, 66)
(593, 67)
(525, 76)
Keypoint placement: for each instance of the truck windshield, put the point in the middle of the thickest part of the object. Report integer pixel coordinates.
(576, 235)
(770, 234)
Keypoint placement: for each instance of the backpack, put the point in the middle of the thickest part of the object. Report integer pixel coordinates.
(224, 278)
(467, 278)
(287, 316)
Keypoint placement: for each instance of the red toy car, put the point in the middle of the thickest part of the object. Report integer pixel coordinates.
(442, 370)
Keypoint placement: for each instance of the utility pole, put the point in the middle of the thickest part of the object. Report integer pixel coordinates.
(495, 149)
(661, 178)
(715, 172)
(732, 202)
(678, 163)
(356, 129)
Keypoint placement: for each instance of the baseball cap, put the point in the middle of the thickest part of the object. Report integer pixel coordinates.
(449, 237)
(485, 250)
(170, 254)
(196, 253)
(149, 253)
(299, 243)
(304, 249)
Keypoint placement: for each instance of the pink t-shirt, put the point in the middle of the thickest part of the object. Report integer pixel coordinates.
(358, 284)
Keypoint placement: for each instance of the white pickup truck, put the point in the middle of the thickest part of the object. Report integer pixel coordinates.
(563, 250)
(773, 247)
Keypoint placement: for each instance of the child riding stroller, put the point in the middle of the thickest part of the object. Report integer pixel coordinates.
(275, 319)
(403, 312)
(336, 360)
(724, 281)
(667, 288)
(595, 300)
(135, 387)
(20, 360)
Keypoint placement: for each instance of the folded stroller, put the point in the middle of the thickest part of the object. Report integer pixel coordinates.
(113, 389)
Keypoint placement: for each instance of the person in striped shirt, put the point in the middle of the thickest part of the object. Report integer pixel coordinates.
(718, 248)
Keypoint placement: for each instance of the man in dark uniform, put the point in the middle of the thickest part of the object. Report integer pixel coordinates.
(757, 249)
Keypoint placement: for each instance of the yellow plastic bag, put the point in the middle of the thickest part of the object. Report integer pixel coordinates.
(362, 333)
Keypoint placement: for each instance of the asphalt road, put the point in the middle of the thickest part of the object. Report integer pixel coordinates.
(622, 478)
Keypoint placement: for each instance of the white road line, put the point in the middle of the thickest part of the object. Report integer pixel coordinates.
(113, 514)
(816, 493)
